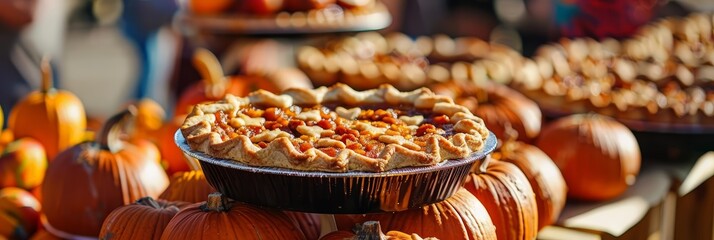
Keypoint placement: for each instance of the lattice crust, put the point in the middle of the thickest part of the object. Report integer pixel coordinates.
(467, 133)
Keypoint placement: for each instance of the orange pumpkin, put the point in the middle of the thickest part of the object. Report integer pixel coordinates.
(461, 216)
(19, 213)
(23, 164)
(508, 197)
(149, 119)
(188, 186)
(173, 157)
(88, 181)
(2, 118)
(307, 222)
(499, 106)
(218, 218)
(543, 175)
(144, 219)
(598, 156)
(370, 230)
(215, 85)
(54, 117)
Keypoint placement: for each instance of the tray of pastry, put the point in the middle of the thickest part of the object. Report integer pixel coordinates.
(328, 19)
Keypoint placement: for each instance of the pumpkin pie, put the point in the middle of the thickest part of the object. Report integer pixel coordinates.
(336, 129)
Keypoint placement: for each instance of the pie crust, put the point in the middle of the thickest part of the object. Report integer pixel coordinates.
(459, 135)
(664, 74)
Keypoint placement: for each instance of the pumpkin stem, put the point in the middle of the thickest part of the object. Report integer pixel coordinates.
(210, 68)
(109, 138)
(370, 230)
(481, 95)
(46, 70)
(216, 202)
(148, 201)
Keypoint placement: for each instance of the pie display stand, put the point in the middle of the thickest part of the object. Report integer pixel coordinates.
(314, 22)
(336, 193)
(218, 33)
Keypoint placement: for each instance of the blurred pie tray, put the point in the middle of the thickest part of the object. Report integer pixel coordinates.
(328, 20)
(337, 193)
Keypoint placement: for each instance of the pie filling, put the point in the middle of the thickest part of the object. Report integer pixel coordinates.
(366, 130)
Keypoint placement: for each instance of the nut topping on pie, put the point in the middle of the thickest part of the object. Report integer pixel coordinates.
(336, 129)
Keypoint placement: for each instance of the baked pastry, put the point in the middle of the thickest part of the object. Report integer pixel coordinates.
(664, 74)
(336, 129)
(366, 60)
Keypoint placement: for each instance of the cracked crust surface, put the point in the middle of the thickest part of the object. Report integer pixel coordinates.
(462, 133)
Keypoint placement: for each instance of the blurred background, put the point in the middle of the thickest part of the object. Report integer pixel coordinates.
(109, 52)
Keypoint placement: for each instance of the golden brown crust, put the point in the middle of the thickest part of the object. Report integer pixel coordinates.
(663, 74)
(468, 137)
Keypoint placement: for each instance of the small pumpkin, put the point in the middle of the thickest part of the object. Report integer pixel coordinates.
(461, 216)
(499, 106)
(219, 218)
(215, 85)
(149, 119)
(508, 197)
(543, 175)
(144, 219)
(370, 230)
(56, 118)
(88, 181)
(23, 164)
(19, 213)
(188, 186)
(598, 156)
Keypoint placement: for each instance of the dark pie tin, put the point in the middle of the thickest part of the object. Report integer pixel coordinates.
(336, 193)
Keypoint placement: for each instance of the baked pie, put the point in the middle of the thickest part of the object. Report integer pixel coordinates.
(336, 129)
(369, 59)
(664, 74)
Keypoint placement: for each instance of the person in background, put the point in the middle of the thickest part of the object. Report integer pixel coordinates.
(15, 15)
(141, 20)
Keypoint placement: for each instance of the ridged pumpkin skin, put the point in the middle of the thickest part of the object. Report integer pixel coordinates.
(508, 197)
(88, 181)
(56, 118)
(23, 164)
(598, 156)
(461, 216)
(189, 186)
(19, 213)
(144, 219)
(219, 219)
(309, 223)
(543, 175)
